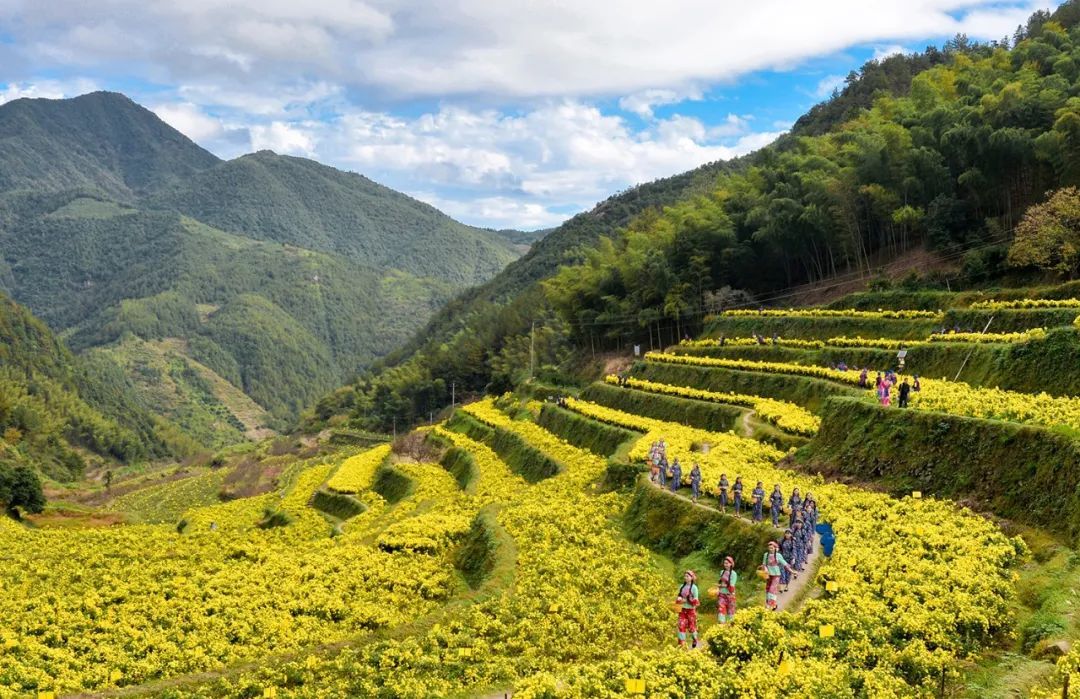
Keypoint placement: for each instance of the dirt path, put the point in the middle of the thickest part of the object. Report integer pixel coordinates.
(792, 599)
(747, 428)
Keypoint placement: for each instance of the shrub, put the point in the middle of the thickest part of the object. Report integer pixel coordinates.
(20, 489)
(273, 518)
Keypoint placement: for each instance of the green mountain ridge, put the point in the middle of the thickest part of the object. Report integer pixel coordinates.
(113, 224)
(101, 141)
(300, 202)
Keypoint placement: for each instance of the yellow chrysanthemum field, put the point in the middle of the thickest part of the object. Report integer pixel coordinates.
(511, 553)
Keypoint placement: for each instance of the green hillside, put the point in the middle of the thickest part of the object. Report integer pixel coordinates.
(101, 141)
(476, 341)
(279, 275)
(300, 202)
(940, 151)
(97, 271)
(59, 413)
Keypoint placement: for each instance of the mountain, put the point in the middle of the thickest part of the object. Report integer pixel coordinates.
(101, 141)
(58, 413)
(941, 150)
(300, 202)
(275, 275)
(477, 341)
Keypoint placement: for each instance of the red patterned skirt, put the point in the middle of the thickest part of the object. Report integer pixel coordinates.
(687, 621)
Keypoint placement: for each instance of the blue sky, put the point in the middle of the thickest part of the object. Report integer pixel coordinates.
(514, 114)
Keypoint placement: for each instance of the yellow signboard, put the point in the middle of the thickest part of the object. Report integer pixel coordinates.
(826, 631)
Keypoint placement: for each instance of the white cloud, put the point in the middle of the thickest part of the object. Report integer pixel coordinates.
(191, 121)
(496, 212)
(642, 103)
(733, 125)
(290, 99)
(558, 155)
(882, 52)
(827, 84)
(48, 89)
(283, 138)
(649, 53)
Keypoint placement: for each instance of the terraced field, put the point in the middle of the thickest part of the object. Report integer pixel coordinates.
(527, 551)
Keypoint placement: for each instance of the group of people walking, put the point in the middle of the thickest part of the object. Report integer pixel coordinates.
(671, 475)
(782, 562)
(884, 384)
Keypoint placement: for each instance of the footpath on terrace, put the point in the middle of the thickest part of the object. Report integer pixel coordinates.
(786, 601)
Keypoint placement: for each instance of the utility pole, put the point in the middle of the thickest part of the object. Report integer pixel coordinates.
(453, 385)
(532, 350)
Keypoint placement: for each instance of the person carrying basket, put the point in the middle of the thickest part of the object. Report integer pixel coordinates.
(687, 602)
(725, 592)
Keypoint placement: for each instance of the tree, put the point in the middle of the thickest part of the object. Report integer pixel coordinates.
(1048, 236)
(20, 489)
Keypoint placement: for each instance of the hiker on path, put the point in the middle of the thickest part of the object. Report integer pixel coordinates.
(798, 532)
(725, 598)
(905, 391)
(737, 492)
(722, 492)
(795, 505)
(773, 562)
(862, 378)
(810, 516)
(663, 471)
(787, 549)
(688, 601)
(776, 505)
(916, 386)
(676, 476)
(654, 471)
(695, 481)
(808, 537)
(758, 494)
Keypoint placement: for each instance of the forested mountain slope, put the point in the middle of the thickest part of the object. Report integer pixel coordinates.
(944, 150)
(58, 412)
(952, 166)
(282, 276)
(298, 201)
(101, 141)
